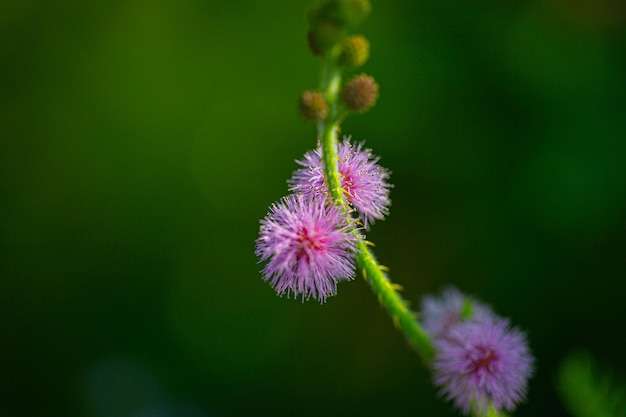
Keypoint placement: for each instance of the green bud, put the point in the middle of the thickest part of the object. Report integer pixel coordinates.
(346, 13)
(355, 51)
(360, 93)
(355, 11)
(323, 36)
(313, 106)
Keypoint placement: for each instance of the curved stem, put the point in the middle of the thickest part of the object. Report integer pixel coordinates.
(403, 318)
(388, 295)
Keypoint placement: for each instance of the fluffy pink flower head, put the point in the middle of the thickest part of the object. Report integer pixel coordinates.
(483, 363)
(364, 181)
(309, 247)
(440, 314)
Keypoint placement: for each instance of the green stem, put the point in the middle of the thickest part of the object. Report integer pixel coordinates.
(389, 298)
(491, 412)
(331, 160)
(403, 318)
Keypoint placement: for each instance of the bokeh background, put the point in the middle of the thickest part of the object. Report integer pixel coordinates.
(141, 141)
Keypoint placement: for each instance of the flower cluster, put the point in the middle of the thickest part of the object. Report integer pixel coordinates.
(480, 361)
(308, 241)
(311, 239)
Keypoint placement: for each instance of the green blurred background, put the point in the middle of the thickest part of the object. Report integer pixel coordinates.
(142, 140)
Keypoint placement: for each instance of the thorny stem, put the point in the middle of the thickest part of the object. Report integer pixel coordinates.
(404, 319)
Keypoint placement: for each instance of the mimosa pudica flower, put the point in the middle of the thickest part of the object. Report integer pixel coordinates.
(363, 180)
(309, 246)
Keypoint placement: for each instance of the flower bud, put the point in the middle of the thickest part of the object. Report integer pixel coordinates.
(324, 35)
(313, 106)
(346, 13)
(355, 11)
(360, 93)
(355, 50)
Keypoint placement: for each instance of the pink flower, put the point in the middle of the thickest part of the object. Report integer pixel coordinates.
(483, 363)
(309, 246)
(363, 180)
(440, 314)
